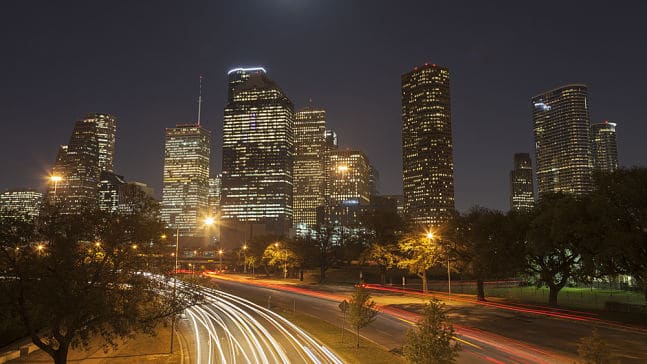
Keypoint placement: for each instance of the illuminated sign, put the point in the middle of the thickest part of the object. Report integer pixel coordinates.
(247, 69)
(542, 106)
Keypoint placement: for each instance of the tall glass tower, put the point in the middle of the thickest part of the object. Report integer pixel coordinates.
(186, 178)
(522, 194)
(427, 148)
(257, 157)
(106, 130)
(309, 164)
(78, 164)
(604, 147)
(562, 140)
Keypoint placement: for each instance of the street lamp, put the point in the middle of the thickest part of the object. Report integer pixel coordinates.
(285, 262)
(245, 258)
(430, 236)
(220, 257)
(56, 179)
(208, 222)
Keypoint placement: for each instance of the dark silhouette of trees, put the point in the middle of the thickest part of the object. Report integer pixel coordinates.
(484, 246)
(620, 200)
(71, 278)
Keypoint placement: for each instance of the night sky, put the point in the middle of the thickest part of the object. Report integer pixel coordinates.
(141, 60)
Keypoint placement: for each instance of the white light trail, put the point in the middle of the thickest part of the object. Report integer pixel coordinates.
(230, 329)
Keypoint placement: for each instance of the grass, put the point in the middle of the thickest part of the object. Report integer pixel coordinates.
(568, 296)
(330, 336)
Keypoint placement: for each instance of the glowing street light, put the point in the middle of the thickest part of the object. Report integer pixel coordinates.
(245, 258)
(285, 262)
(430, 236)
(40, 248)
(220, 254)
(56, 179)
(209, 221)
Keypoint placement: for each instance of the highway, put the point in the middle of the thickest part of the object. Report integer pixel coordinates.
(230, 329)
(390, 327)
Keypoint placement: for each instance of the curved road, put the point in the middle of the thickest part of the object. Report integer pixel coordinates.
(230, 329)
(390, 327)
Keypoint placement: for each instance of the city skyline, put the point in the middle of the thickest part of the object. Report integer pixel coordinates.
(498, 122)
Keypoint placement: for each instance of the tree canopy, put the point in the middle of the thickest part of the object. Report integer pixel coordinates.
(71, 278)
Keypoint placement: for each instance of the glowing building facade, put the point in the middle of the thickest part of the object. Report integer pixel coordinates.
(77, 165)
(109, 187)
(347, 188)
(427, 148)
(186, 178)
(20, 202)
(309, 165)
(604, 147)
(106, 125)
(215, 186)
(257, 160)
(522, 194)
(562, 140)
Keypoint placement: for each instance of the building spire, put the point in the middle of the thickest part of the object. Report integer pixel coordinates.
(200, 99)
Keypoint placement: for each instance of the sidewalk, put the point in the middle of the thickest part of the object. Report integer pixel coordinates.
(140, 349)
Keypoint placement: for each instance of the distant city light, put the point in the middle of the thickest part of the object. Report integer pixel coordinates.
(246, 69)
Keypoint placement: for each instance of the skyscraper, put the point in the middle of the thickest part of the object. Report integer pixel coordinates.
(562, 140)
(20, 202)
(257, 160)
(215, 186)
(77, 167)
(79, 164)
(522, 194)
(348, 189)
(348, 177)
(604, 147)
(186, 178)
(106, 129)
(427, 148)
(109, 187)
(309, 164)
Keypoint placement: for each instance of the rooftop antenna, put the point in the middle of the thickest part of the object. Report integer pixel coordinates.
(200, 99)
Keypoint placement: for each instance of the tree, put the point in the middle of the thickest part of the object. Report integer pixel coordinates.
(279, 255)
(71, 278)
(360, 309)
(595, 350)
(561, 242)
(431, 340)
(384, 230)
(323, 244)
(419, 254)
(485, 246)
(621, 199)
(383, 255)
(256, 249)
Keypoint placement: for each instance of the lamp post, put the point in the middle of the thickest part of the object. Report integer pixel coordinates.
(208, 222)
(285, 261)
(430, 236)
(220, 258)
(244, 258)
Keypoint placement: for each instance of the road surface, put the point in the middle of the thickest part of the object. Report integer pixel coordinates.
(390, 327)
(230, 329)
